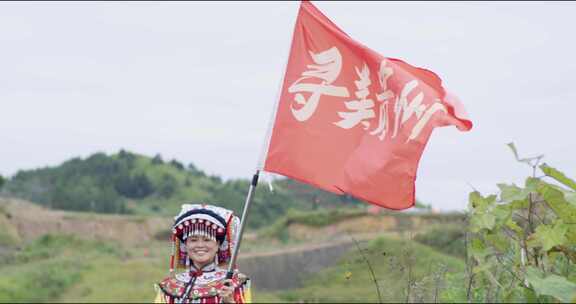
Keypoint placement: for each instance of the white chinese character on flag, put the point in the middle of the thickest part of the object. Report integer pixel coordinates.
(406, 108)
(384, 98)
(328, 67)
(362, 107)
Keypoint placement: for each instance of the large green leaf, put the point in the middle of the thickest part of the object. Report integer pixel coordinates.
(510, 192)
(481, 221)
(530, 296)
(481, 217)
(502, 212)
(559, 176)
(498, 240)
(556, 201)
(480, 203)
(511, 224)
(552, 285)
(520, 204)
(548, 236)
(478, 249)
(475, 200)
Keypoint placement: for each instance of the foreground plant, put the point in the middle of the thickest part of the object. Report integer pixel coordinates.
(521, 245)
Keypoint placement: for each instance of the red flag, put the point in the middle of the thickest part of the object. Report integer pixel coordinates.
(352, 121)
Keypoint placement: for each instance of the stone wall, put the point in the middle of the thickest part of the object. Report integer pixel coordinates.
(285, 270)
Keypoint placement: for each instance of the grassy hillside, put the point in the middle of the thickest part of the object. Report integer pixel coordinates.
(298, 225)
(120, 261)
(126, 182)
(133, 282)
(48, 266)
(64, 268)
(9, 237)
(434, 277)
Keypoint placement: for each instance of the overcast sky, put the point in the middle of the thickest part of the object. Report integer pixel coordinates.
(197, 81)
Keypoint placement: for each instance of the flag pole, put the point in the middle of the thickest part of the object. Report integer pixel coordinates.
(247, 203)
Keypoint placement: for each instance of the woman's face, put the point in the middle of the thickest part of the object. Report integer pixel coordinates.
(201, 250)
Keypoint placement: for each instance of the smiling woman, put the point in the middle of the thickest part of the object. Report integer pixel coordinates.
(203, 237)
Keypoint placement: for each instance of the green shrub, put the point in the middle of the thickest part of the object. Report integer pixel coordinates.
(447, 239)
(522, 241)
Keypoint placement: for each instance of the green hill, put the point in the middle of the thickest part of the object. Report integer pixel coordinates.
(126, 182)
(119, 261)
(67, 269)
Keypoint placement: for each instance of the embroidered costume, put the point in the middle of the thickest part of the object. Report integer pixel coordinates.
(202, 285)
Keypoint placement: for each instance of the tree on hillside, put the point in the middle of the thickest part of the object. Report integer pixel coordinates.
(195, 171)
(142, 186)
(420, 205)
(176, 164)
(157, 160)
(123, 153)
(33, 185)
(138, 186)
(86, 195)
(167, 186)
(123, 185)
(2, 181)
(105, 183)
(127, 157)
